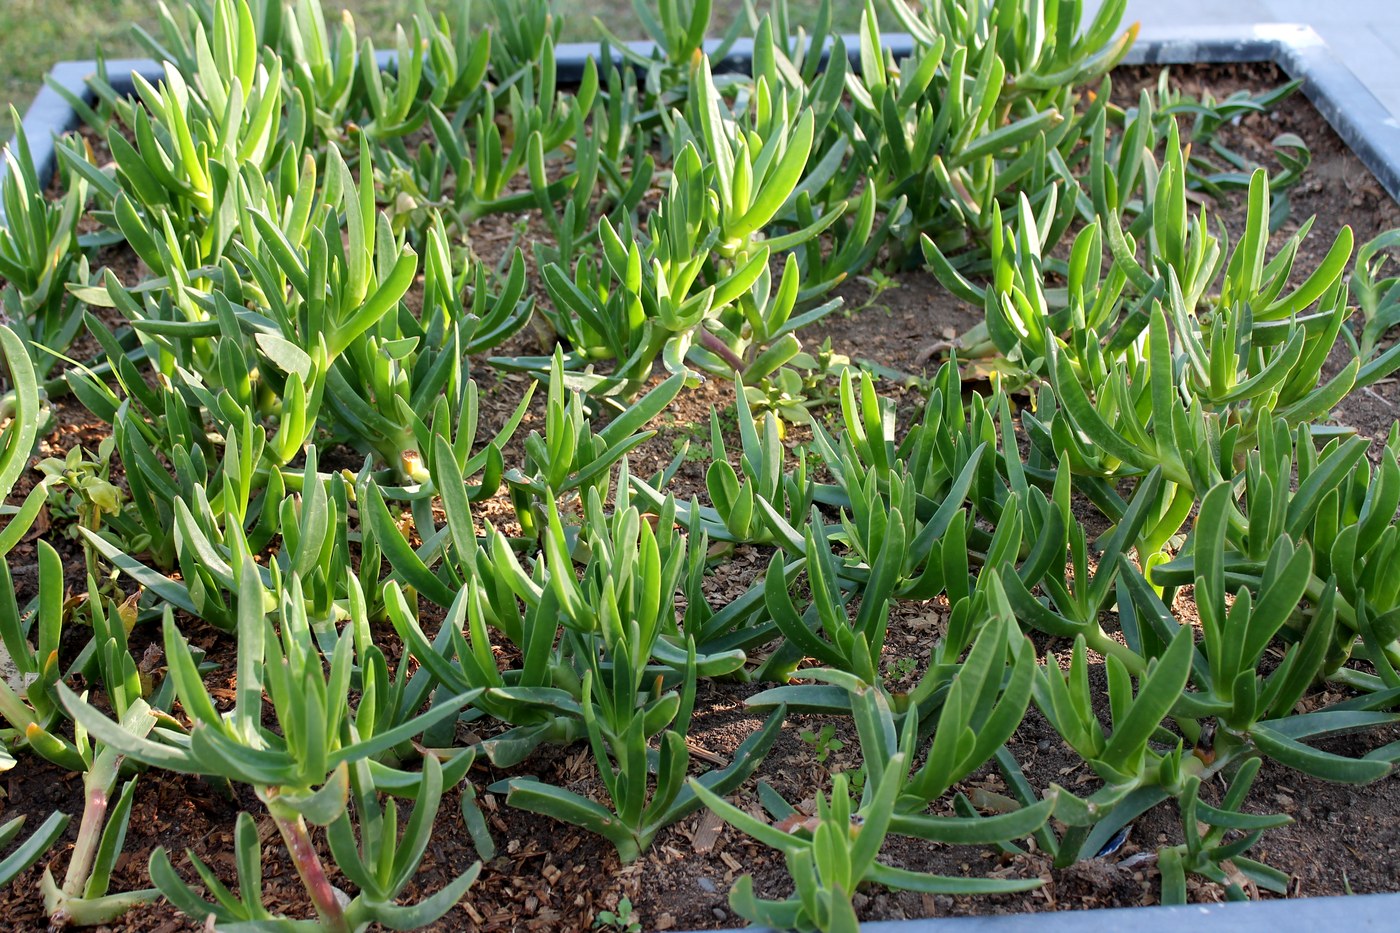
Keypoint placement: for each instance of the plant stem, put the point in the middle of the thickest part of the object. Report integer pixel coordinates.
(313, 875)
(718, 347)
(1097, 639)
(1356, 680)
(98, 781)
(1346, 614)
(89, 835)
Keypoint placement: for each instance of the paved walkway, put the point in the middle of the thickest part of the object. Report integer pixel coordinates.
(1363, 33)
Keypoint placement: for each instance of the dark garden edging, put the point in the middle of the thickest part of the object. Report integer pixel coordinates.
(1361, 121)
(1370, 130)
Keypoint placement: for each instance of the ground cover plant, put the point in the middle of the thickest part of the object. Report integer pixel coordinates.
(366, 528)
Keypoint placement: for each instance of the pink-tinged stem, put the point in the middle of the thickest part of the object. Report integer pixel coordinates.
(716, 346)
(89, 837)
(97, 789)
(313, 876)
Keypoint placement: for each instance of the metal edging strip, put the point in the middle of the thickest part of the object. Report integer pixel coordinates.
(1366, 913)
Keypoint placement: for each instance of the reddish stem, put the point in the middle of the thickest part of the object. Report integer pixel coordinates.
(718, 347)
(313, 875)
(89, 837)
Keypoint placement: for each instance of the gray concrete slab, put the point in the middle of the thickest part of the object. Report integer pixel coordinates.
(1365, 34)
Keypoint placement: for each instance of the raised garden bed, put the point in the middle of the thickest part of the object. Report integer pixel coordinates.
(546, 874)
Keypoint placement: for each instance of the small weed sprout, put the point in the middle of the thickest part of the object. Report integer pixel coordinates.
(623, 919)
(824, 741)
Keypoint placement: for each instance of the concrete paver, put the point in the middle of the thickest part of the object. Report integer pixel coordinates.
(1365, 34)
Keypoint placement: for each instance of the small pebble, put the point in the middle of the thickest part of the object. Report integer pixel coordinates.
(706, 885)
(719, 913)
